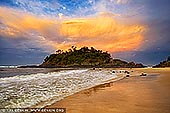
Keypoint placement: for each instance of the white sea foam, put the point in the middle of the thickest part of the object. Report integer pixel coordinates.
(8, 66)
(27, 90)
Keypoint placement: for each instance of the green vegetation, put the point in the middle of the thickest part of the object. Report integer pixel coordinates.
(165, 63)
(84, 57)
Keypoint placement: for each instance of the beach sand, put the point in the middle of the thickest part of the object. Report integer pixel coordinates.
(136, 94)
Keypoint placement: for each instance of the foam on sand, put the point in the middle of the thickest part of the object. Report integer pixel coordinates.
(28, 90)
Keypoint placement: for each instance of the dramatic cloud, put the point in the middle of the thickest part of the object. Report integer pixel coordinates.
(102, 31)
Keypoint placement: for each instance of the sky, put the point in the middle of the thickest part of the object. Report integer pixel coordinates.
(132, 30)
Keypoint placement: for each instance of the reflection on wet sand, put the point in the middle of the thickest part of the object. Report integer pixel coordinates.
(96, 89)
(135, 94)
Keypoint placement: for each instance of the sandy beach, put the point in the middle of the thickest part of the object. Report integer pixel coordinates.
(136, 94)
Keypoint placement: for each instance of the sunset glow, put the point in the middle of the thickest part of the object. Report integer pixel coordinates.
(102, 31)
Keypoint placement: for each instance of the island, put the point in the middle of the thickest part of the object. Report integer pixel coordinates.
(85, 57)
(163, 64)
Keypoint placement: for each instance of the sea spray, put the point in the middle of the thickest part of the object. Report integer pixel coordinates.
(25, 91)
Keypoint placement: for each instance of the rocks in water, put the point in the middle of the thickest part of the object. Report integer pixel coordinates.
(143, 74)
(127, 72)
(113, 72)
(127, 75)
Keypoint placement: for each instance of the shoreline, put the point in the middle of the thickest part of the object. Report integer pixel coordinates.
(81, 98)
(118, 78)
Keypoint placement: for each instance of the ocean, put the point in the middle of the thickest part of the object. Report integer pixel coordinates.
(27, 87)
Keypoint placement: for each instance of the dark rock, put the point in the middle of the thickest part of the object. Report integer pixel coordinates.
(127, 72)
(113, 72)
(127, 75)
(143, 74)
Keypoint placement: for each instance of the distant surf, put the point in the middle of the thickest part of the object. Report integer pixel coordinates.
(22, 91)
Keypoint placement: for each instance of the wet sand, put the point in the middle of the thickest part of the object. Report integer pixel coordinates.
(150, 94)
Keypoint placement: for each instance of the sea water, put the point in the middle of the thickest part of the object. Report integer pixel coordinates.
(28, 87)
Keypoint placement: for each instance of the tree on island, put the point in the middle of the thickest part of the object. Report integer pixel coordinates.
(84, 57)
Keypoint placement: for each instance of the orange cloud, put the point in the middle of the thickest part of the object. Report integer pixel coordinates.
(102, 31)
(19, 24)
(24, 21)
